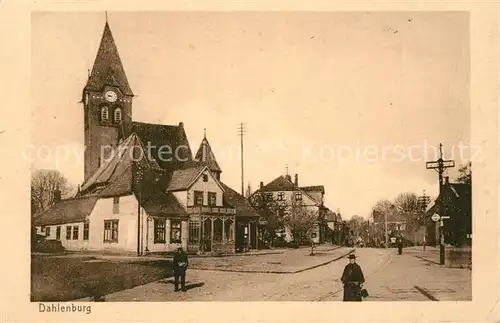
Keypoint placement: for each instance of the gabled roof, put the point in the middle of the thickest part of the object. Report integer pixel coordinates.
(169, 144)
(316, 188)
(182, 179)
(108, 68)
(205, 156)
(116, 176)
(284, 183)
(280, 183)
(67, 211)
(238, 201)
(164, 204)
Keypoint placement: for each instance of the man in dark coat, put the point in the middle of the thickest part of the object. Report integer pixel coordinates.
(400, 245)
(180, 265)
(353, 280)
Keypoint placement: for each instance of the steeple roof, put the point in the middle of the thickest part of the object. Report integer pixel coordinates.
(205, 156)
(108, 68)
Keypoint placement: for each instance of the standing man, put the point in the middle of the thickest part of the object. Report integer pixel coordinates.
(180, 264)
(353, 280)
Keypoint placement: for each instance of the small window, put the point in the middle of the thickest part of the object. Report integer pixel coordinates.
(175, 231)
(75, 232)
(159, 229)
(116, 205)
(86, 231)
(281, 196)
(298, 196)
(212, 199)
(205, 177)
(269, 196)
(198, 198)
(118, 115)
(104, 114)
(58, 233)
(111, 231)
(68, 232)
(47, 232)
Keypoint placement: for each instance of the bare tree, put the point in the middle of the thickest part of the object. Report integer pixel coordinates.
(272, 213)
(301, 221)
(43, 185)
(408, 207)
(465, 172)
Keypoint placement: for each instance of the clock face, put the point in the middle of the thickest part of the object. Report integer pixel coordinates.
(111, 96)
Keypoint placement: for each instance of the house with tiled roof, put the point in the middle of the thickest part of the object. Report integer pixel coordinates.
(283, 189)
(455, 201)
(143, 191)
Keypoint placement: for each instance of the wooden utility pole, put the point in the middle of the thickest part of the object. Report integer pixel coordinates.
(440, 165)
(241, 133)
(424, 202)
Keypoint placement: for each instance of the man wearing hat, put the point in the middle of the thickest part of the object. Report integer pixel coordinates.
(180, 265)
(353, 280)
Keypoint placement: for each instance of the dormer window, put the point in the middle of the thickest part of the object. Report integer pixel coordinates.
(118, 115)
(104, 114)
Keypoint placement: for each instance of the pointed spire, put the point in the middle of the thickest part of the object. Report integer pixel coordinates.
(108, 68)
(205, 133)
(206, 156)
(106, 13)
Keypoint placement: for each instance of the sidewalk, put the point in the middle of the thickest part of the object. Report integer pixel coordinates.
(454, 257)
(407, 277)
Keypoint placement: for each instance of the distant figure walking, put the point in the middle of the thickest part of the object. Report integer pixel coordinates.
(180, 265)
(400, 245)
(353, 280)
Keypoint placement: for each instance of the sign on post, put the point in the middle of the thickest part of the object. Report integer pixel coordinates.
(435, 217)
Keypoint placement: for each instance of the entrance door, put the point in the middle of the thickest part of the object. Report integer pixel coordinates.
(194, 236)
(207, 235)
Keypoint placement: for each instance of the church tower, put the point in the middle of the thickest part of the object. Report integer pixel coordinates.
(107, 104)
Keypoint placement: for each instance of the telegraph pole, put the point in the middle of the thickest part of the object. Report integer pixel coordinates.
(424, 202)
(440, 165)
(241, 133)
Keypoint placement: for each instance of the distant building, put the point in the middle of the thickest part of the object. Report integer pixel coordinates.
(284, 189)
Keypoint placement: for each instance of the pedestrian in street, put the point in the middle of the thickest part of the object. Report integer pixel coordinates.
(180, 265)
(400, 245)
(353, 280)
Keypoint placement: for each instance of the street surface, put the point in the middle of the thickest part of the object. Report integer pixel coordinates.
(389, 277)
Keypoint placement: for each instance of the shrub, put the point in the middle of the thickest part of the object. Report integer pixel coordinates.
(49, 246)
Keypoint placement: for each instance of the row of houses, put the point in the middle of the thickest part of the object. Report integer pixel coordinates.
(133, 201)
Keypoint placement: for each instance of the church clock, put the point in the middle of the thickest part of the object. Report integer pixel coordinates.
(111, 96)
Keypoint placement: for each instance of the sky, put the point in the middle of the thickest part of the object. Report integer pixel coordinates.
(354, 101)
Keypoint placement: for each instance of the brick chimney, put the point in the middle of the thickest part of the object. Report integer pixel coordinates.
(261, 184)
(297, 179)
(57, 196)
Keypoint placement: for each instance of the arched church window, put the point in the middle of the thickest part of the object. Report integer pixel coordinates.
(104, 113)
(118, 115)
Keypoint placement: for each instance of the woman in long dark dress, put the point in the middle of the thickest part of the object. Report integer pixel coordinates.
(353, 280)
